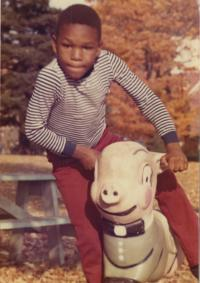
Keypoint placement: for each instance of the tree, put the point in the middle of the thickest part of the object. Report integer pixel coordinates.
(26, 29)
(145, 34)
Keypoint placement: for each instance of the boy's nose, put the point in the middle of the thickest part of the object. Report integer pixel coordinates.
(76, 54)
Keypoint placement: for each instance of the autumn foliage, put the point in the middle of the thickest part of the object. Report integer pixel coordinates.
(146, 35)
(142, 32)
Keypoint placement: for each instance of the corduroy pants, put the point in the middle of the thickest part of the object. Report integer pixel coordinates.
(74, 184)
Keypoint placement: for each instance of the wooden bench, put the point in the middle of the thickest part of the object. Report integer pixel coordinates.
(40, 184)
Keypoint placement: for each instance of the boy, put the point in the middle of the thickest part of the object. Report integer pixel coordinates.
(66, 115)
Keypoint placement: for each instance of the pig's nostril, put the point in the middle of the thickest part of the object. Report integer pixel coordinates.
(105, 192)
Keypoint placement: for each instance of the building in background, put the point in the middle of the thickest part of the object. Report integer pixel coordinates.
(62, 4)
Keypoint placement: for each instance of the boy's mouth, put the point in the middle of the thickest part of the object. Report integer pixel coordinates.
(75, 70)
(75, 67)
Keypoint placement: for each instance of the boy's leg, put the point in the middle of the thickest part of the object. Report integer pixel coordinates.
(74, 184)
(74, 187)
(182, 218)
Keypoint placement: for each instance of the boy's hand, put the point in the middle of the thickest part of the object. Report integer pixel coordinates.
(87, 156)
(174, 159)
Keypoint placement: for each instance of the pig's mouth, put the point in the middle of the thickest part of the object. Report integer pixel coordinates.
(122, 213)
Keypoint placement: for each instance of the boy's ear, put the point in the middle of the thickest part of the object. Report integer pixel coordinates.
(53, 43)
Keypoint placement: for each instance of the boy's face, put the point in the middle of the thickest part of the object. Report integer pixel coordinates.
(77, 46)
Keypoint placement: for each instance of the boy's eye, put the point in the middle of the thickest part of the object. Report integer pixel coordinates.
(66, 45)
(88, 47)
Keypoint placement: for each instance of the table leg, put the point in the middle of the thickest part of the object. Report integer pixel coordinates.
(50, 198)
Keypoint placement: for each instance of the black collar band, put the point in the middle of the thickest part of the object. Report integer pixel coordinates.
(132, 229)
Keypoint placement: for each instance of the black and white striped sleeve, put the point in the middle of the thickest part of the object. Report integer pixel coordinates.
(45, 93)
(149, 104)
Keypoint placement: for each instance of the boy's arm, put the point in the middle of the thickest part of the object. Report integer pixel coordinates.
(39, 108)
(153, 110)
(38, 111)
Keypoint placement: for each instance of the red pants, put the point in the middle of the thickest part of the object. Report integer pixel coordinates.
(74, 184)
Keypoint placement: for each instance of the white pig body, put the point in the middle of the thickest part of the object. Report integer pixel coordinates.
(138, 244)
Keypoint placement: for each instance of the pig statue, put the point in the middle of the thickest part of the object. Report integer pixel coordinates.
(138, 244)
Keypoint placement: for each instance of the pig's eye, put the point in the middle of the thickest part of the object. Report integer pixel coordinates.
(146, 174)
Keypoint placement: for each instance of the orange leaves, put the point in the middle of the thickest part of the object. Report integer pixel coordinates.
(141, 32)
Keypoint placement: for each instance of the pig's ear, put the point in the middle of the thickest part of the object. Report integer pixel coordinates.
(156, 156)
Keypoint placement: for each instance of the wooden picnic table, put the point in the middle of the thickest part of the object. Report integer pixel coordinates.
(18, 218)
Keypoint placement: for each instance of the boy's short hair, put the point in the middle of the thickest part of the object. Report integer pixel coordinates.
(79, 14)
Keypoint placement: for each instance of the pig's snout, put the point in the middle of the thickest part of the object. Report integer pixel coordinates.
(110, 195)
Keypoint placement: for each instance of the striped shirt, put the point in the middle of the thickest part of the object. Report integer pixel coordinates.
(63, 111)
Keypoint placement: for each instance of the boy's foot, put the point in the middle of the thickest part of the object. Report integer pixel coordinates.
(195, 271)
